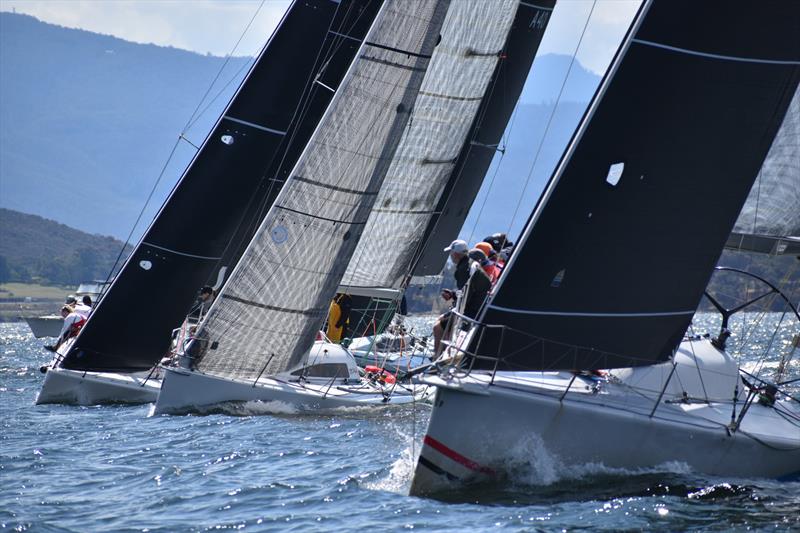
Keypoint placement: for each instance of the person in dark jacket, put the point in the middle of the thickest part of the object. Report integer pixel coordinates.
(458, 251)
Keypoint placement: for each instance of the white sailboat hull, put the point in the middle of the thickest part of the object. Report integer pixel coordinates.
(526, 421)
(91, 388)
(181, 393)
(45, 326)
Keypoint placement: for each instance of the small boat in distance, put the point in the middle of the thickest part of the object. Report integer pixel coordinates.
(50, 325)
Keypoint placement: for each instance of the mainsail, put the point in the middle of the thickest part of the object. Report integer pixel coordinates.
(485, 134)
(267, 314)
(458, 76)
(770, 219)
(616, 255)
(227, 188)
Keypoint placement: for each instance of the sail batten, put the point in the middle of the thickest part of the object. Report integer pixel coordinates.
(689, 134)
(293, 265)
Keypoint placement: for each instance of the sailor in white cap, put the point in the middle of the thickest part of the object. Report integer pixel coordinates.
(459, 255)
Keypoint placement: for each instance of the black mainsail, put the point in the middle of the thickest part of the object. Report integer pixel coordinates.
(215, 208)
(616, 255)
(485, 136)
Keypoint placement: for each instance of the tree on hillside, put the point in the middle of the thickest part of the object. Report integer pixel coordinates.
(5, 273)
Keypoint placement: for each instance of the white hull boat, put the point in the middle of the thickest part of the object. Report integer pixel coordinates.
(330, 381)
(79, 387)
(628, 419)
(45, 326)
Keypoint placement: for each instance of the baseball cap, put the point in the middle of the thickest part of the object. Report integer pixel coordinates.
(458, 246)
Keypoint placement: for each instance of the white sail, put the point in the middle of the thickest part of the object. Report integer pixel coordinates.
(473, 36)
(267, 314)
(773, 207)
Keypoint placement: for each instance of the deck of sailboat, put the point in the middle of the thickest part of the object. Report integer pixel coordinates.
(773, 423)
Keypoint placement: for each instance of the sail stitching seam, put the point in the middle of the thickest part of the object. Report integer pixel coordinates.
(180, 253)
(398, 50)
(256, 126)
(716, 56)
(563, 313)
(336, 221)
(334, 187)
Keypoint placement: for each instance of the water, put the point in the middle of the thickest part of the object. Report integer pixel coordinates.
(114, 468)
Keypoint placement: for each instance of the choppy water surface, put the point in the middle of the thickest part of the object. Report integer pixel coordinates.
(107, 468)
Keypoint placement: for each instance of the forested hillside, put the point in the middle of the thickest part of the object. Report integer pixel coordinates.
(34, 249)
(87, 120)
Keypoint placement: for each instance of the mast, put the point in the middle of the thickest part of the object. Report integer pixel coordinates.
(268, 312)
(615, 257)
(450, 96)
(225, 191)
(485, 135)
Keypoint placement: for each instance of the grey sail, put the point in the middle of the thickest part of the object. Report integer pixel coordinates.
(770, 219)
(267, 314)
(485, 135)
(457, 79)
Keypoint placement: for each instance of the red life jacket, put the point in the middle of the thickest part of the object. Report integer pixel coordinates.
(75, 328)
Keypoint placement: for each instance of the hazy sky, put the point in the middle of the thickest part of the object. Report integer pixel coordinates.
(216, 25)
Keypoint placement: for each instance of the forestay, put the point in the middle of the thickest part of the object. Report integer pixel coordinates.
(485, 134)
(226, 190)
(617, 254)
(473, 35)
(268, 313)
(771, 215)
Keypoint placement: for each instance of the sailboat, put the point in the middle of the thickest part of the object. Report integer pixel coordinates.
(581, 352)
(213, 211)
(424, 201)
(258, 336)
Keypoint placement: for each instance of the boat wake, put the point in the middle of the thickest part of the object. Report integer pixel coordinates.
(244, 409)
(398, 479)
(532, 464)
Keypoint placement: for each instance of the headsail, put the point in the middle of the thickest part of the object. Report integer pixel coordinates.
(770, 220)
(449, 99)
(485, 134)
(267, 315)
(227, 188)
(620, 247)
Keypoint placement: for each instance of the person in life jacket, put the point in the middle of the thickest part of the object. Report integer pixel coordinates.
(73, 322)
(488, 262)
(339, 317)
(478, 286)
(502, 246)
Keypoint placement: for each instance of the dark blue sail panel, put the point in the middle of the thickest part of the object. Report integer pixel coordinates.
(667, 153)
(487, 131)
(219, 202)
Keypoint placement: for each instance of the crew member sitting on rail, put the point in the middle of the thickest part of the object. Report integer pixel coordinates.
(489, 263)
(458, 251)
(73, 322)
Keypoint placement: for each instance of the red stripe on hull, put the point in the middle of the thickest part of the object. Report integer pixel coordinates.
(457, 457)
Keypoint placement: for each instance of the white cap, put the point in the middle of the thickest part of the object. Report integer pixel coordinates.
(458, 246)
